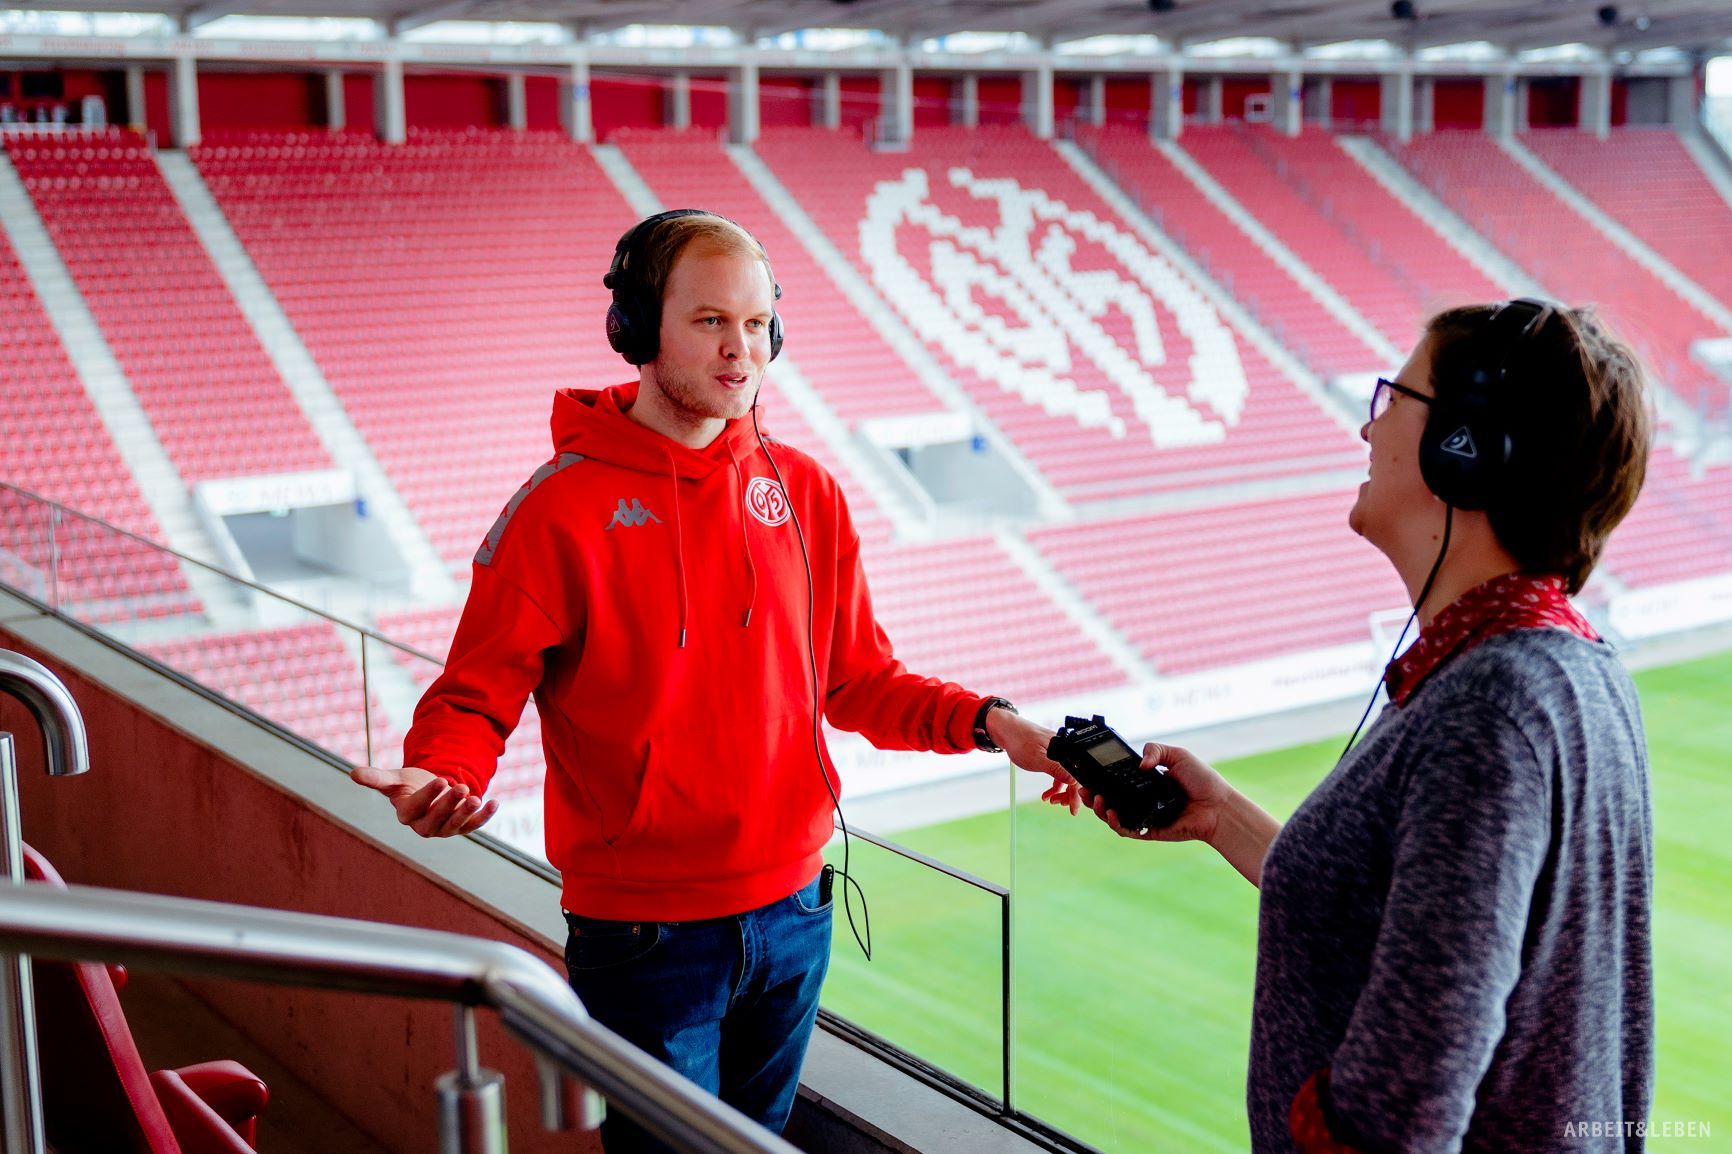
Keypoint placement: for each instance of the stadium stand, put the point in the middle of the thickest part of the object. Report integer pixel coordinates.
(1680, 528)
(1272, 429)
(1181, 210)
(1471, 174)
(446, 287)
(299, 676)
(52, 442)
(213, 397)
(1321, 203)
(858, 373)
(1630, 174)
(1252, 580)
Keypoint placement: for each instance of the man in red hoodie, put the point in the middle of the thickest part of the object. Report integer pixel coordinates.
(683, 600)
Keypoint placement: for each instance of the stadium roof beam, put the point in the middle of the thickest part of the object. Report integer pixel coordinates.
(195, 18)
(432, 14)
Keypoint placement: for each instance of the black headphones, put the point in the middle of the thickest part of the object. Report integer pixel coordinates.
(633, 319)
(1466, 449)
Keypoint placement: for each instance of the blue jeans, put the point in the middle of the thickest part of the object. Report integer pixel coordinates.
(728, 1002)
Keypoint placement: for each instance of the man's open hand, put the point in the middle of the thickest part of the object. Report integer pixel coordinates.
(425, 802)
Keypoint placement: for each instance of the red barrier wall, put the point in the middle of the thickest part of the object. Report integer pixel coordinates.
(264, 100)
(1458, 104)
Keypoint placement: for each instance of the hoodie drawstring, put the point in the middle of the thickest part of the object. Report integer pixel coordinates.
(745, 541)
(679, 546)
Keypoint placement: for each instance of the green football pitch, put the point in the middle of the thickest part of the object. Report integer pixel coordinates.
(1134, 962)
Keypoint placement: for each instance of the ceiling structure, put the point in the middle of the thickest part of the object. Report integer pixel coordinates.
(1696, 25)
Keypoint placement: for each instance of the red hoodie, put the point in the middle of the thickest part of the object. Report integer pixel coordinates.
(654, 600)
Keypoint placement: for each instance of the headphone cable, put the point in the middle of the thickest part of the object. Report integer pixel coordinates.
(865, 943)
(1424, 592)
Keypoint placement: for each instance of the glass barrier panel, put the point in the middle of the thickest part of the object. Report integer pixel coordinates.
(285, 663)
(934, 986)
(1135, 964)
(397, 677)
(27, 557)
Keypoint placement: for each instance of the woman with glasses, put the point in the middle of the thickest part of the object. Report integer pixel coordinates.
(1453, 928)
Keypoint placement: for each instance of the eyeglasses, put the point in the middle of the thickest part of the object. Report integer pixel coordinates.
(1385, 391)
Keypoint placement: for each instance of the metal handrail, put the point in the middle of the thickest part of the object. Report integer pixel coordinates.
(322, 952)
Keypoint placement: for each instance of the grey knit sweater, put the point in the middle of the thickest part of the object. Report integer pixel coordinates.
(1456, 920)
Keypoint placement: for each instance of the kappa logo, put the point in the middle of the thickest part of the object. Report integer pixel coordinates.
(632, 515)
(766, 501)
(1460, 444)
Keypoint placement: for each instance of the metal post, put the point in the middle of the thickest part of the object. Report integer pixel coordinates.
(566, 1104)
(54, 558)
(66, 751)
(366, 700)
(20, 1076)
(471, 1099)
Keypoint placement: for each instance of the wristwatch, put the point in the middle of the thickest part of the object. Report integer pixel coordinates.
(982, 741)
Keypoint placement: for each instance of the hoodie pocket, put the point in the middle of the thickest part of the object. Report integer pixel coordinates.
(644, 805)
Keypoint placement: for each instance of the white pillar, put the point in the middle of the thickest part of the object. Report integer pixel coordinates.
(336, 102)
(183, 101)
(967, 89)
(574, 103)
(1166, 104)
(677, 101)
(1425, 105)
(1396, 105)
(135, 114)
(516, 102)
(388, 116)
(1037, 100)
(1523, 94)
(1594, 106)
(896, 103)
(1096, 112)
(1681, 110)
(743, 104)
(1500, 104)
(1214, 100)
(1323, 101)
(1287, 95)
(827, 102)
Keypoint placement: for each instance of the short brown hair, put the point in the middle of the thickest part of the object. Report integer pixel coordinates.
(1578, 416)
(660, 251)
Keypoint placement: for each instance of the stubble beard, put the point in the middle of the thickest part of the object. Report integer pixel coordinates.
(692, 403)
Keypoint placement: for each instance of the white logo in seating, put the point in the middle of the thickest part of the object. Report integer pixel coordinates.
(1013, 301)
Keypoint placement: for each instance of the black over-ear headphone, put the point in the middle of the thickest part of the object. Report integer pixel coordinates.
(1466, 449)
(634, 318)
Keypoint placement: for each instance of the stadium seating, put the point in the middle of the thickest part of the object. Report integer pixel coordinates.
(1251, 580)
(1059, 393)
(1566, 255)
(299, 676)
(1646, 180)
(213, 397)
(858, 373)
(1680, 528)
(446, 287)
(1180, 210)
(1320, 202)
(52, 442)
